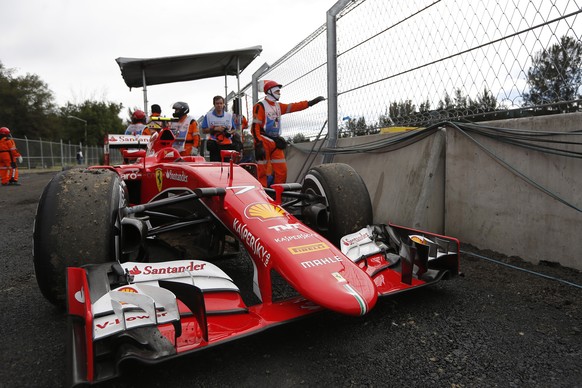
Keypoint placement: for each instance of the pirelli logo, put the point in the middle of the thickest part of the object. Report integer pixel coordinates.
(308, 248)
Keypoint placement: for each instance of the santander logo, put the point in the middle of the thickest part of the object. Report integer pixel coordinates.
(177, 176)
(161, 269)
(354, 239)
(134, 271)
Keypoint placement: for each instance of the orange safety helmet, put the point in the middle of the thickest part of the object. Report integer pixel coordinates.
(268, 84)
(4, 131)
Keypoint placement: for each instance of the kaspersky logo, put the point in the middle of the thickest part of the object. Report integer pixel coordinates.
(263, 211)
(159, 178)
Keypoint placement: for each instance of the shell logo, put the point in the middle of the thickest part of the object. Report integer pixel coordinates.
(420, 239)
(128, 289)
(264, 211)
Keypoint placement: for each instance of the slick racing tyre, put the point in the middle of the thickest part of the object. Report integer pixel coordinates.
(346, 199)
(76, 223)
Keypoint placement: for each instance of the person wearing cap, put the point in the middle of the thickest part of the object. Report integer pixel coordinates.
(266, 131)
(137, 126)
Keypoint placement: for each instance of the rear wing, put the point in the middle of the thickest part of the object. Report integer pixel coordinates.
(123, 141)
(128, 141)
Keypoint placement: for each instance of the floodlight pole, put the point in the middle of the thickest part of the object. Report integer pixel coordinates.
(84, 121)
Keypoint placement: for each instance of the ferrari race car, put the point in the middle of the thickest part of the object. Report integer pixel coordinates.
(169, 255)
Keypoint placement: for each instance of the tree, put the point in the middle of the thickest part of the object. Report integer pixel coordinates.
(373, 129)
(485, 102)
(424, 107)
(26, 105)
(401, 112)
(555, 75)
(361, 127)
(385, 120)
(102, 118)
(445, 104)
(350, 129)
(461, 101)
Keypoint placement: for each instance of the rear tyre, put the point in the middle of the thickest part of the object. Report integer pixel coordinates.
(347, 200)
(76, 223)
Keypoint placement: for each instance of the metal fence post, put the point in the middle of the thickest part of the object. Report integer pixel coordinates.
(62, 154)
(332, 76)
(52, 154)
(27, 151)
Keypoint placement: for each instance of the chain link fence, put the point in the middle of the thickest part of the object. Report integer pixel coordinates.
(40, 154)
(409, 63)
(417, 62)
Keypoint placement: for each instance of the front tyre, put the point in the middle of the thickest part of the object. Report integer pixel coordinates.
(346, 199)
(76, 223)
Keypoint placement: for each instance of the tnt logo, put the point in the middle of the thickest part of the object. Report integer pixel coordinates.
(282, 228)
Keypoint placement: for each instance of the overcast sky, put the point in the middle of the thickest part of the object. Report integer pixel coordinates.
(72, 44)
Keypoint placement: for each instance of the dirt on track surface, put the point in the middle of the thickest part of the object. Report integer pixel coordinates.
(493, 327)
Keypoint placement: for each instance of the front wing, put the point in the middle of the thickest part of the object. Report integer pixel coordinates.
(157, 311)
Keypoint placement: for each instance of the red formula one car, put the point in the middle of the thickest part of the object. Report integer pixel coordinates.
(170, 255)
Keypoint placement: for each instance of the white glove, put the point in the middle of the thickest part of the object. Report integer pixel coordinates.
(194, 151)
(20, 159)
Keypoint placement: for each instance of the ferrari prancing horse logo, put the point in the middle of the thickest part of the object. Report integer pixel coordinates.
(159, 178)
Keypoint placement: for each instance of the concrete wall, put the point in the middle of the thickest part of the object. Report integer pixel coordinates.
(447, 183)
(406, 186)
